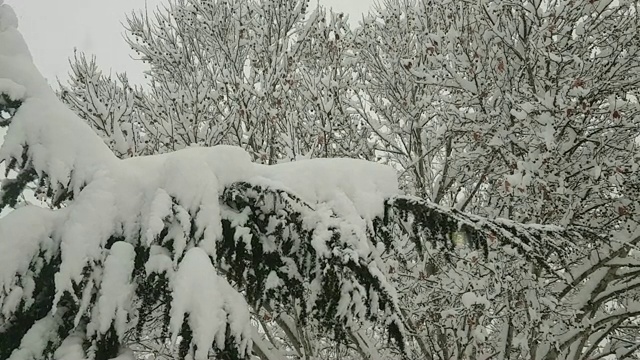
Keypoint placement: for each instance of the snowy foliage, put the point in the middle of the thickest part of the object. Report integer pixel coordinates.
(526, 111)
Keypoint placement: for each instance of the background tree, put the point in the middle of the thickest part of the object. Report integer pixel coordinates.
(513, 110)
(525, 111)
(269, 76)
(108, 106)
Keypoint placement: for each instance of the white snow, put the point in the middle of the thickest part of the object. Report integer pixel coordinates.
(349, 186)
(208, 300)
(273, 281)
(8, 18)
(36, 339)
(18, 247)
(160, 208)
(116, 289)
(12, 301)
(470, 298)
(71, 348)
(159, 261)
(11, 89)
(87, 227)
(520, 115)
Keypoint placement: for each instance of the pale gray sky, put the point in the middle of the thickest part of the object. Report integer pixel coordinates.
(53, 28)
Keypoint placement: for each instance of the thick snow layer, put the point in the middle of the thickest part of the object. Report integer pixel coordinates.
(116, 290)
(35, 341)
(11, 89)
(350, 186)
(209, 300)
(8, 18)
(18, 247)
(87, 227)
(71, 348)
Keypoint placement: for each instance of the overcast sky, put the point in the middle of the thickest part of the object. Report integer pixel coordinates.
(53, 28)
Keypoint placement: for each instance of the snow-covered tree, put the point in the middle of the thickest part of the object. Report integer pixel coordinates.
(522, 110)
(179, 246)
(108, 106)
(270, 76)
(175, 246)
(276, 76)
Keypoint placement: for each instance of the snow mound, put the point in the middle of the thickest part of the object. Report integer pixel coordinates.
(350, 186)
(13, 90)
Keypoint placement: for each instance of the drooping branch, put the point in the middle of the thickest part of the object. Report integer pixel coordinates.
(426, 222)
